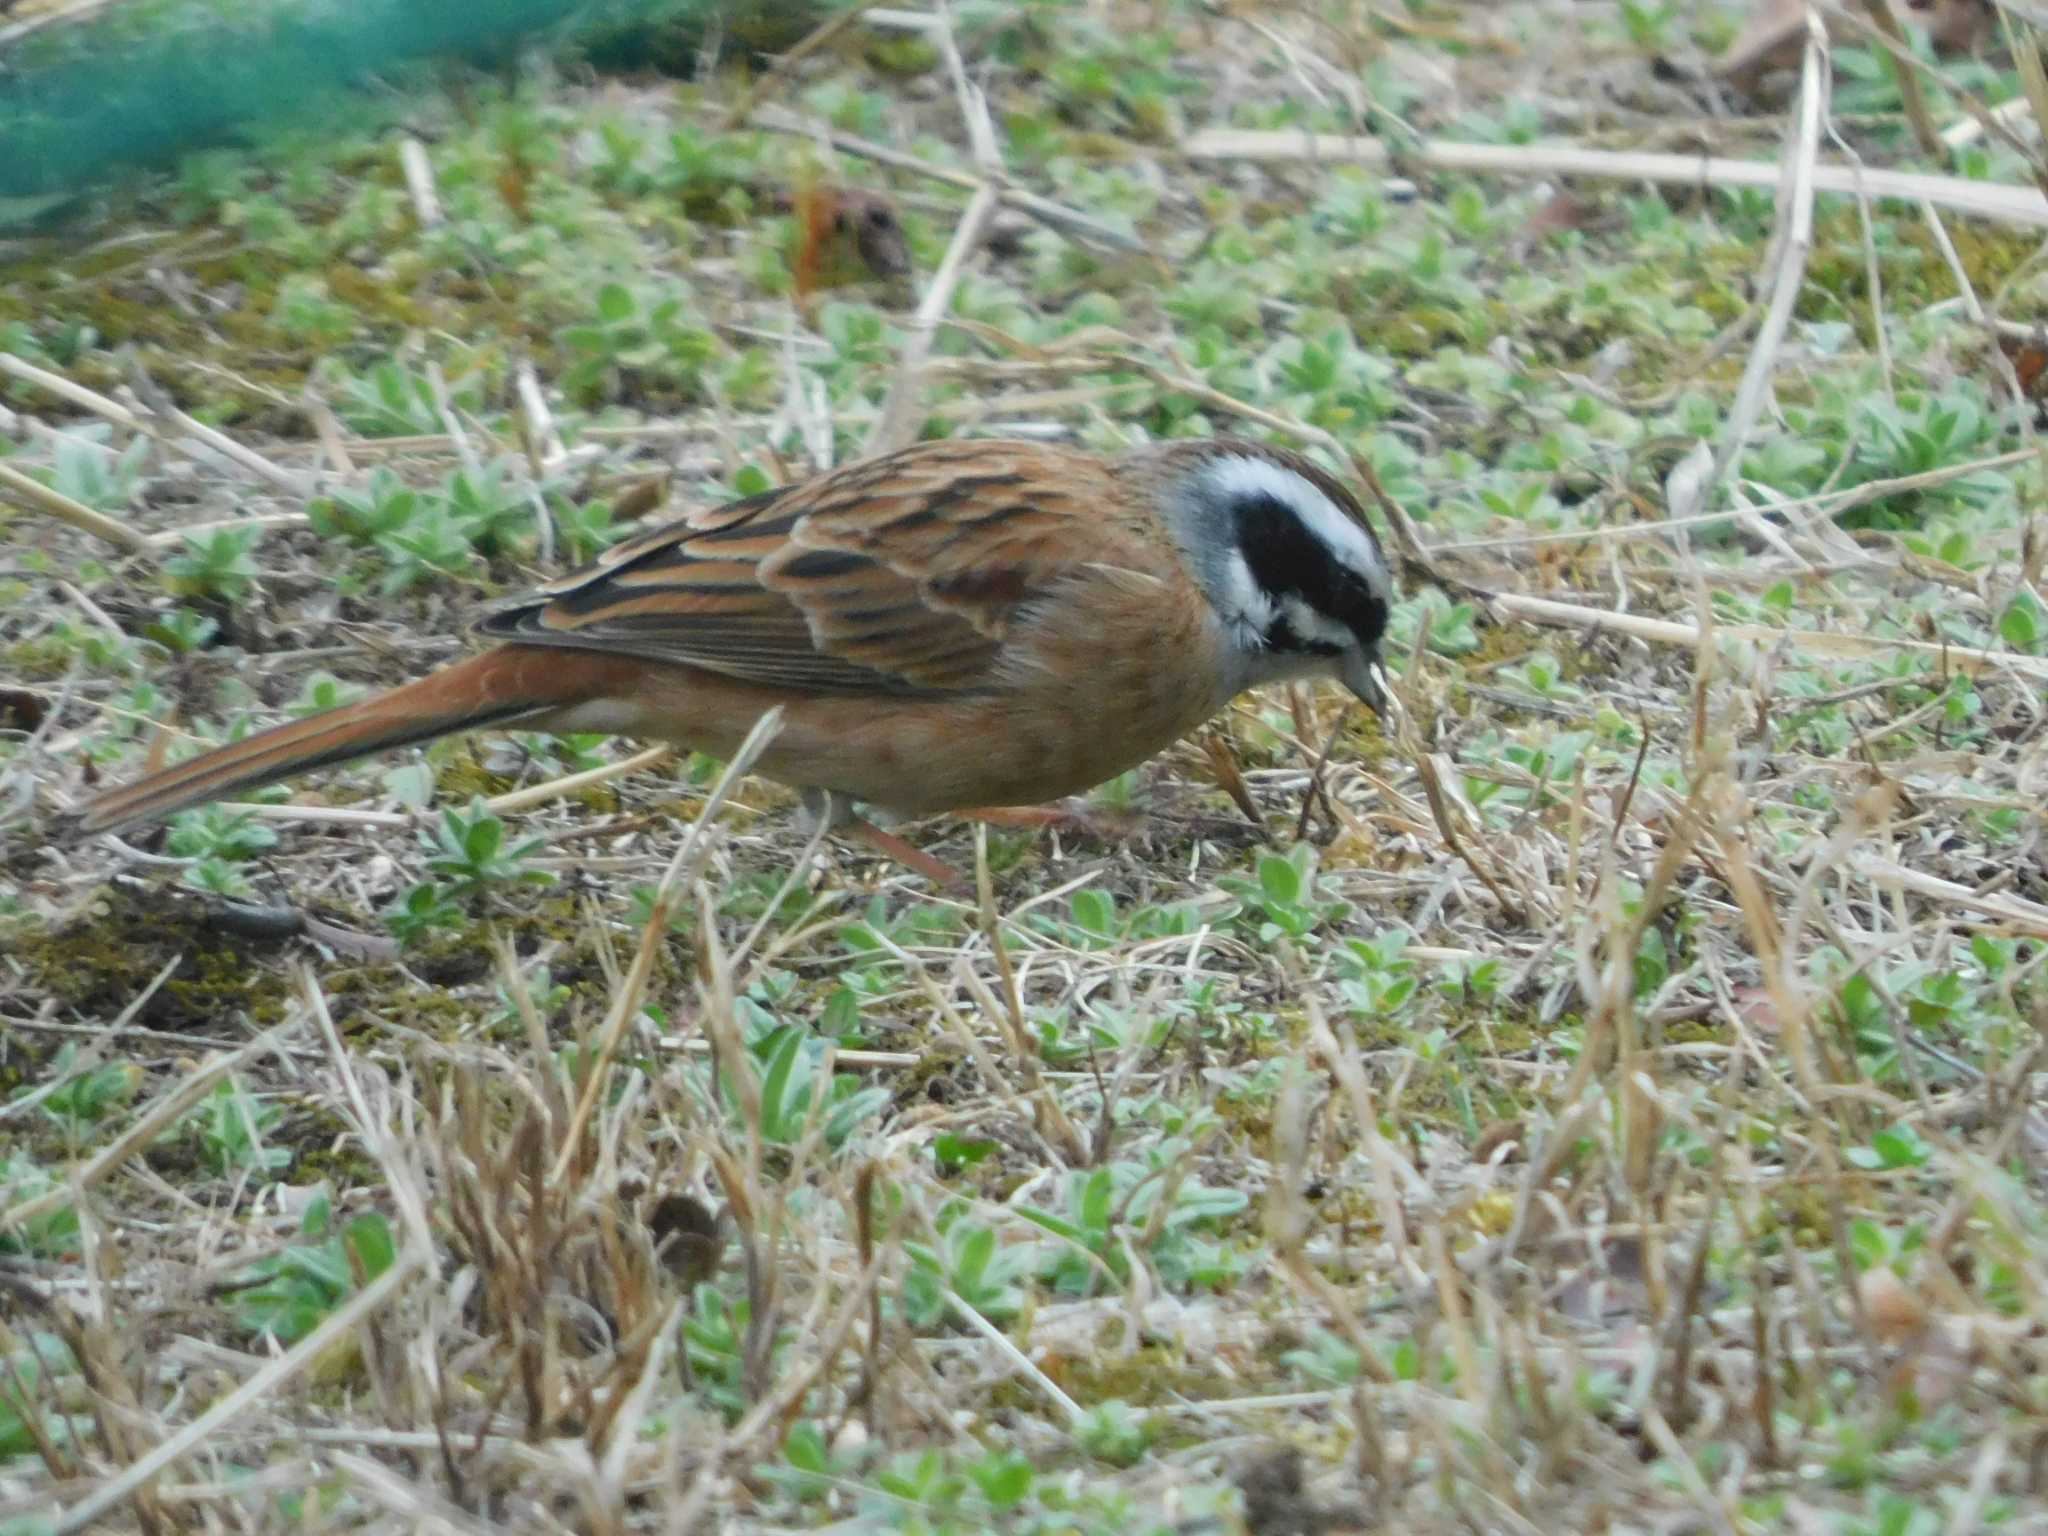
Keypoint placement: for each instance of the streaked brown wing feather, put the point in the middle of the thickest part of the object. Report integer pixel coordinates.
(896, 575)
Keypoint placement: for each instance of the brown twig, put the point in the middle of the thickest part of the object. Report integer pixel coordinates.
(33, 496)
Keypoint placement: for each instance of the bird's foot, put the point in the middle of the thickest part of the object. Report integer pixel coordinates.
(911, 857)
(837, 815)
(1087, 820)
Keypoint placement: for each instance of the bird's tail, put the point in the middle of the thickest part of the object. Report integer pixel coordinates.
(495, 688)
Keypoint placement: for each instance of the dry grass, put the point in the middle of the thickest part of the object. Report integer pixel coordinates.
(1625, 1120)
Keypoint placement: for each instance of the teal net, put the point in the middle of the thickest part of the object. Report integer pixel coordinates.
(139, 83)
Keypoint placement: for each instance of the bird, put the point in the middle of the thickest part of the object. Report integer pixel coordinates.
(957, 626)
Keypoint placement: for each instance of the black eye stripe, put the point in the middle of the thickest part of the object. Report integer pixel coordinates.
(1287, 560)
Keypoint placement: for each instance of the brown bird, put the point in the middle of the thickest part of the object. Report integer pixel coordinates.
(954, 626)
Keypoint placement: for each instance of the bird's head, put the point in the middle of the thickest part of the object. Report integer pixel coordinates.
(1285, 556)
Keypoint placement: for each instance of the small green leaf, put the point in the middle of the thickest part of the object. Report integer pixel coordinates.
(2020, 625)
(782, 1088)
(1279, 880)
(1004, 1478)
(369, 1238)
(804, 1448)
(1095, 1201)
(482, 839)
(1095, 911)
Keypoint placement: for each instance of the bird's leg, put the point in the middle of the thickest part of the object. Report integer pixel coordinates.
(1106, 826)
(1230, 778)
(1023, 817)
(909, 856)
(836, 814)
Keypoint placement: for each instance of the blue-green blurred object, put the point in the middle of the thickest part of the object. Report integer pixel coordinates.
(140, 82)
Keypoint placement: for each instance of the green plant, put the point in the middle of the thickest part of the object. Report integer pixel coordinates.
(1375, 976)
(430, 547)
(218, 838)
(366, 513)
(52, 1233)
(969, 1262)
(486, 503)
(392, 400)
(219, 831)
(1647, 23)
(547, 997)
(85, 1095)
(419, 910)
(786, 1061)
(321, 692)
(306, 311)
(808, 1470)
(1542, 676)
(1114, 1432)
(1900, 1147)
(714, 1337)
(954, 1153)
(1324, 1359)
(219, 565)
(469, 851)
(26, 1369)
(1108, 1208)
(228, 1127)
(1289, 899)
(1919, 434)
(701, 166)
(2023, 624)
(84, 468)
(286, 1295)
(635, 333)
(584, 529)
(183, 631)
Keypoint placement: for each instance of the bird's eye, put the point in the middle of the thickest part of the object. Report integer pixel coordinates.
(880, 218)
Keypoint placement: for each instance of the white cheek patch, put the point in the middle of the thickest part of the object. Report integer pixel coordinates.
(1315, 628)
(1240, 477)
(1246, 606)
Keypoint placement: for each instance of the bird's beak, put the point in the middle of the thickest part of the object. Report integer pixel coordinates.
(1362, 675)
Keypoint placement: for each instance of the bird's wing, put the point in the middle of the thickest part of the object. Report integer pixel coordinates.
(896, 575)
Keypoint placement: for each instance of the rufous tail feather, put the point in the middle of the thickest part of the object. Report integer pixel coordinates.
(495, 688)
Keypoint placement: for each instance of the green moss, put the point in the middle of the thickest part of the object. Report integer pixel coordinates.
(41, 660)
(456, 965)
(1461, 1089)
(99, 963)
(901, 55)
(1798, 1214)
(1146, 1377)
(1696, 1031)
(320, 1154)
(1912, 269)
(389, 992)
(460, 778)
(370, 296)
(1370, 745)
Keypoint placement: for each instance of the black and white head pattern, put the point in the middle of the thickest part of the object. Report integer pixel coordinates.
(1285, 554)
